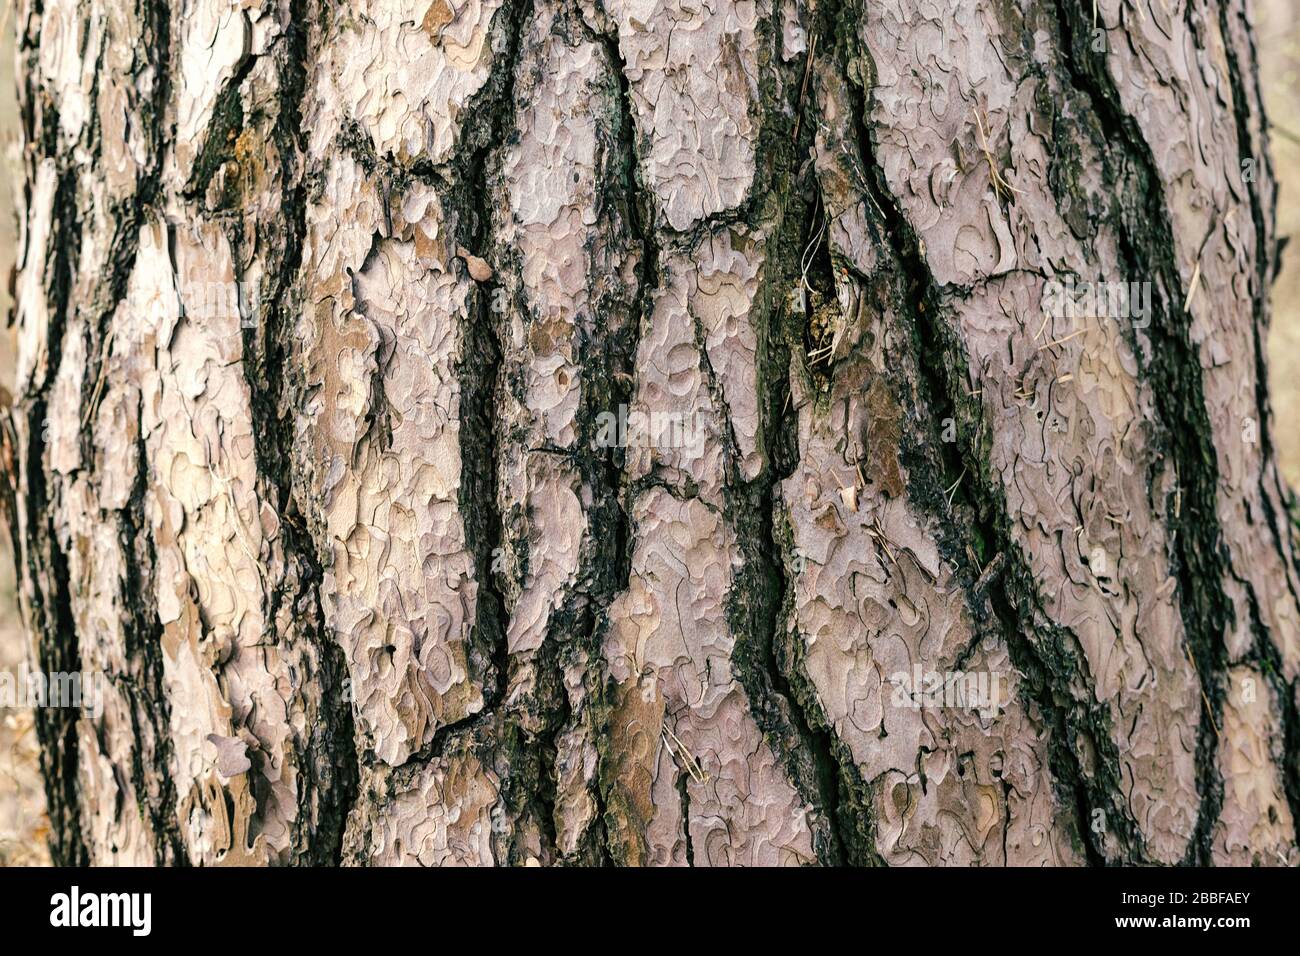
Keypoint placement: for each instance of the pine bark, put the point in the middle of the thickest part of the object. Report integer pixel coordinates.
(325, 310)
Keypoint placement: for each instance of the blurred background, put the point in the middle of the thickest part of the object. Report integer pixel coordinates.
(1277, 26)
(23, 825)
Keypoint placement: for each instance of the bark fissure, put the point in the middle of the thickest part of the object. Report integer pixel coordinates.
(830, 771)
(975, 525)
(58, 647)
(1264, 647)
(143, 643)
(1198, 552)
(273, 388)
(614, 380)
(685, 797)
(481, 370)
(643, 227)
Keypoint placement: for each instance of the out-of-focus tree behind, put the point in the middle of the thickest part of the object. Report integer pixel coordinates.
(1279, 40)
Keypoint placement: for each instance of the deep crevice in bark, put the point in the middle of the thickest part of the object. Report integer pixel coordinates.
(641, 222)
(58, 647)
(479, 372)
(976, 532)
(143, 644)
(336, 760)
(143, 686)
(685, 797)
(1265, 647)
(830, 769)
(608, 361)
(1198, 553)
(759, 606)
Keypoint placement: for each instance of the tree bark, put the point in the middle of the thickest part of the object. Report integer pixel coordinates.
(564, 431)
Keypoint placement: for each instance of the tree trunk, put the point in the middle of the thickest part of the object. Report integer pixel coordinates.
(581, 431)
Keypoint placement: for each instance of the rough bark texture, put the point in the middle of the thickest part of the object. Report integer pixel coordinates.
(323, 309)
